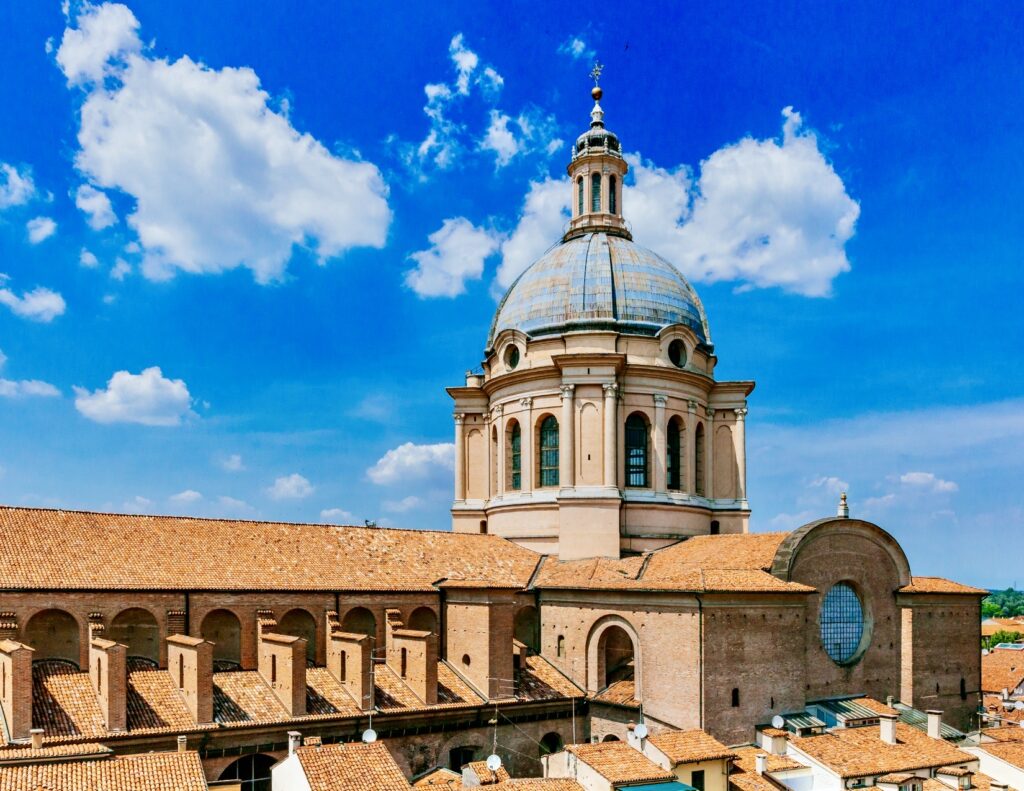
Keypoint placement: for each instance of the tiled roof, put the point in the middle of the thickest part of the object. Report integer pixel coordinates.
(1011, 752)
(857, 752)
(47, 549)
(723, 563)
(939, 585)
(621, 693)
(690, 746)
(486, 776)
(876, 706)
(1006, 733)
(995, 706)
(145, 772)
(746, 760)
(439, 777)
(1002, 669)
(895, 777)
(93, 749)
(983, 782)
(351, 767)
(617, 762)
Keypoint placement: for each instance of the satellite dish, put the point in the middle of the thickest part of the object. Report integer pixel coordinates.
(778, 722)
(640, 731)
(493, 762)
(369, 736)
(1019, 705)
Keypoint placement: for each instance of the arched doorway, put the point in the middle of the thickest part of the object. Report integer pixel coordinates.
(54, 634)
(615, 651)
(299, 623)
(137, 628)
(359, 620)
(252, 772)
(224, 630)
(526, 627)
(423, 619)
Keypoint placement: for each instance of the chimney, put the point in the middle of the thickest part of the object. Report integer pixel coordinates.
(190, 663)
(350, 661)
(36, 735)
(887, 727)
(182, 743)
(282, 664)
(16, 687)
(294, 740)
(108, 671)
(843, 512)
(412, 655)
(889, 701)
(935, 723)
(478, 635)
(761, 763)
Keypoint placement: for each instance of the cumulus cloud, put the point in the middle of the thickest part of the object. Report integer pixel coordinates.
(96, 206)
(88, 259)
(456, 254)
(147, 398)
(40, 228)
(410, 460)
(508, 137)
(27, 388)
(928, 481)
(39, 304)
(336, 516)
(120, 270)
(219, 178)
(232, 463)
(545, 212)
(290, 487)
(575, 47)
(187, 496)
(402, 506)
(16, 186)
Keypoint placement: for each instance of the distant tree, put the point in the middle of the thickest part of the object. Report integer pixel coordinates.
(1002, 636)
(1003, 604)
(989, 609)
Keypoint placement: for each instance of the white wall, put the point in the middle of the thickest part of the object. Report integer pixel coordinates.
(287, 775)
(998, 768)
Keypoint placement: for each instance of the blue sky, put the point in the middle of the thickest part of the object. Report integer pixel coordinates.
(245, 246)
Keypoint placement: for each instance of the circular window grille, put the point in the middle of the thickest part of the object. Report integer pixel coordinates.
(842, 623)
(677, 353)
(512, 357)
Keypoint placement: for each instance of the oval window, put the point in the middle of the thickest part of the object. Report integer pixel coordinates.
(842, 623)
(677, 353)
(512, 357)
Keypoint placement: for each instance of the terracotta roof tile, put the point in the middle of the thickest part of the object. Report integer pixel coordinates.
(857, 752)
(983, 782)
(94, 749)
(145, 772)
(1011, 752)
(940, 585)
(877, 706)
(486, 776)
(1002, 668)
(439, 777)
(48, 549)
(690, 745)
(351, 767)
(895, 777)
(621, 693)
(617, 762)
(1005, 733)
(746, 760)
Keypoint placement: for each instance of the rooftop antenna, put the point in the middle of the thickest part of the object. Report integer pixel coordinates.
(494, 760)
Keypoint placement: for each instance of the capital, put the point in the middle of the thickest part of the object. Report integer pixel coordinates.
(691, 405)
(610, 390)
(710, 411)
(740, 413)
(497, 410)
(525, 403)
(660, 399)
(459, 418)
(567, 391)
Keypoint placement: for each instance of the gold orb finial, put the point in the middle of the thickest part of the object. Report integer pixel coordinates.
(597, 93)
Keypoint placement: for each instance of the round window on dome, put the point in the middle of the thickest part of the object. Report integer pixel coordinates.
(511, 356)
(677, 353)
(842, 624)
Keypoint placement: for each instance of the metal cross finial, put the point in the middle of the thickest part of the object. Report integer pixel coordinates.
(595, 73)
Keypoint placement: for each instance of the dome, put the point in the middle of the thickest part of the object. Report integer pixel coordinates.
(599, 281)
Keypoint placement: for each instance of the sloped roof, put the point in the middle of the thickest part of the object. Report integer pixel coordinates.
(1011, 752)
(690, 746)
(940, 585)
(42, 549)
(1001, 669)
(617, 762)
(351, 767)
(146, 772)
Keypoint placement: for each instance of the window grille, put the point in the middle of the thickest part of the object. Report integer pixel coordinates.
(842, 623)
(549, 452)
(674, 458)
(595, 192)
(612, 198)
(579, 195)
(698, 459)
(636, 451)
(517, 458)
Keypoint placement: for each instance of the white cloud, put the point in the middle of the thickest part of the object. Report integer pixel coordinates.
(530, 131)
(831, 484)
(88, 259)
(410, 460)
(763, 212)
(402, 506)
(456, 254)
(147, 398)
(16, 186)
(545, 212)
(40, 228)
(120, 270)
(232, 463)
(290, 487)
(233, 505)
(929, 481)
(465, 61)
(26, 388)
(39, 304)
(219, 179)
(575, 47)
(187, 496)
(96, 206)
(336, 516)
(137, 505)
(500, 139)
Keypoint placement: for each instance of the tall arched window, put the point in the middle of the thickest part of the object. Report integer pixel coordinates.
(579, 195)
(516, 458)
(636, 450)
(613, 199)
(698, 459)
(595, 192)
(549, 451)
(674, 457)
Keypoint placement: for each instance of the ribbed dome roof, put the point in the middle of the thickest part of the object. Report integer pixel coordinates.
(599, 282)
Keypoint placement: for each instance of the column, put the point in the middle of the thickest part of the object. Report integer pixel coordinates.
(691, 447)
(659, 456)
(460, 459)
(739, 438)
(709, 455)
(566, 435)
(611, 418)
(500, 451)
(526, 445)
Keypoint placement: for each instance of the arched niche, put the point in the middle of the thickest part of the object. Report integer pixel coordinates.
(54, 634)
(138, 629)
(223, 629)
(300, 623)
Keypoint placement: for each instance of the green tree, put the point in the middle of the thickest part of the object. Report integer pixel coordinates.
(1002, 636)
